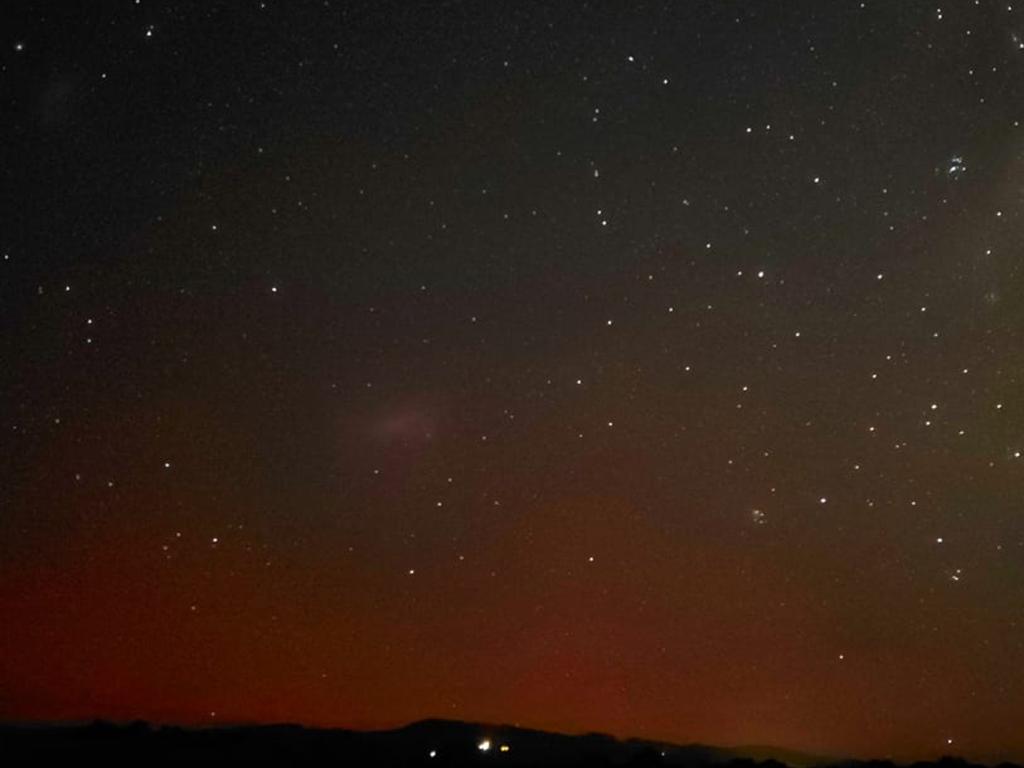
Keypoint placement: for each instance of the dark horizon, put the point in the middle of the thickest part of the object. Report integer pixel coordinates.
(763, 751)
(473, 734)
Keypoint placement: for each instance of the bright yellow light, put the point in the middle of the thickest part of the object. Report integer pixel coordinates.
(504, 748)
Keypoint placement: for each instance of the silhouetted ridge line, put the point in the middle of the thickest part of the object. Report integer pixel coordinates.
(430, 742)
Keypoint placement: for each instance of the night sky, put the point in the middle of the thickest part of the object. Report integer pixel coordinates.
(649, 368)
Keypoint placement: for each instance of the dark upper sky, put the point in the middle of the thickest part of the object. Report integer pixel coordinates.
(653, 368)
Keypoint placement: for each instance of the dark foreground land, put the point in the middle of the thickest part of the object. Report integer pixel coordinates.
(426, 743)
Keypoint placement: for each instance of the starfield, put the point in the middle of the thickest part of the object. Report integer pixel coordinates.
(653, 369)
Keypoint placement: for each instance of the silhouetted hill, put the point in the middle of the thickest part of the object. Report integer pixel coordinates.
(425, 743)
